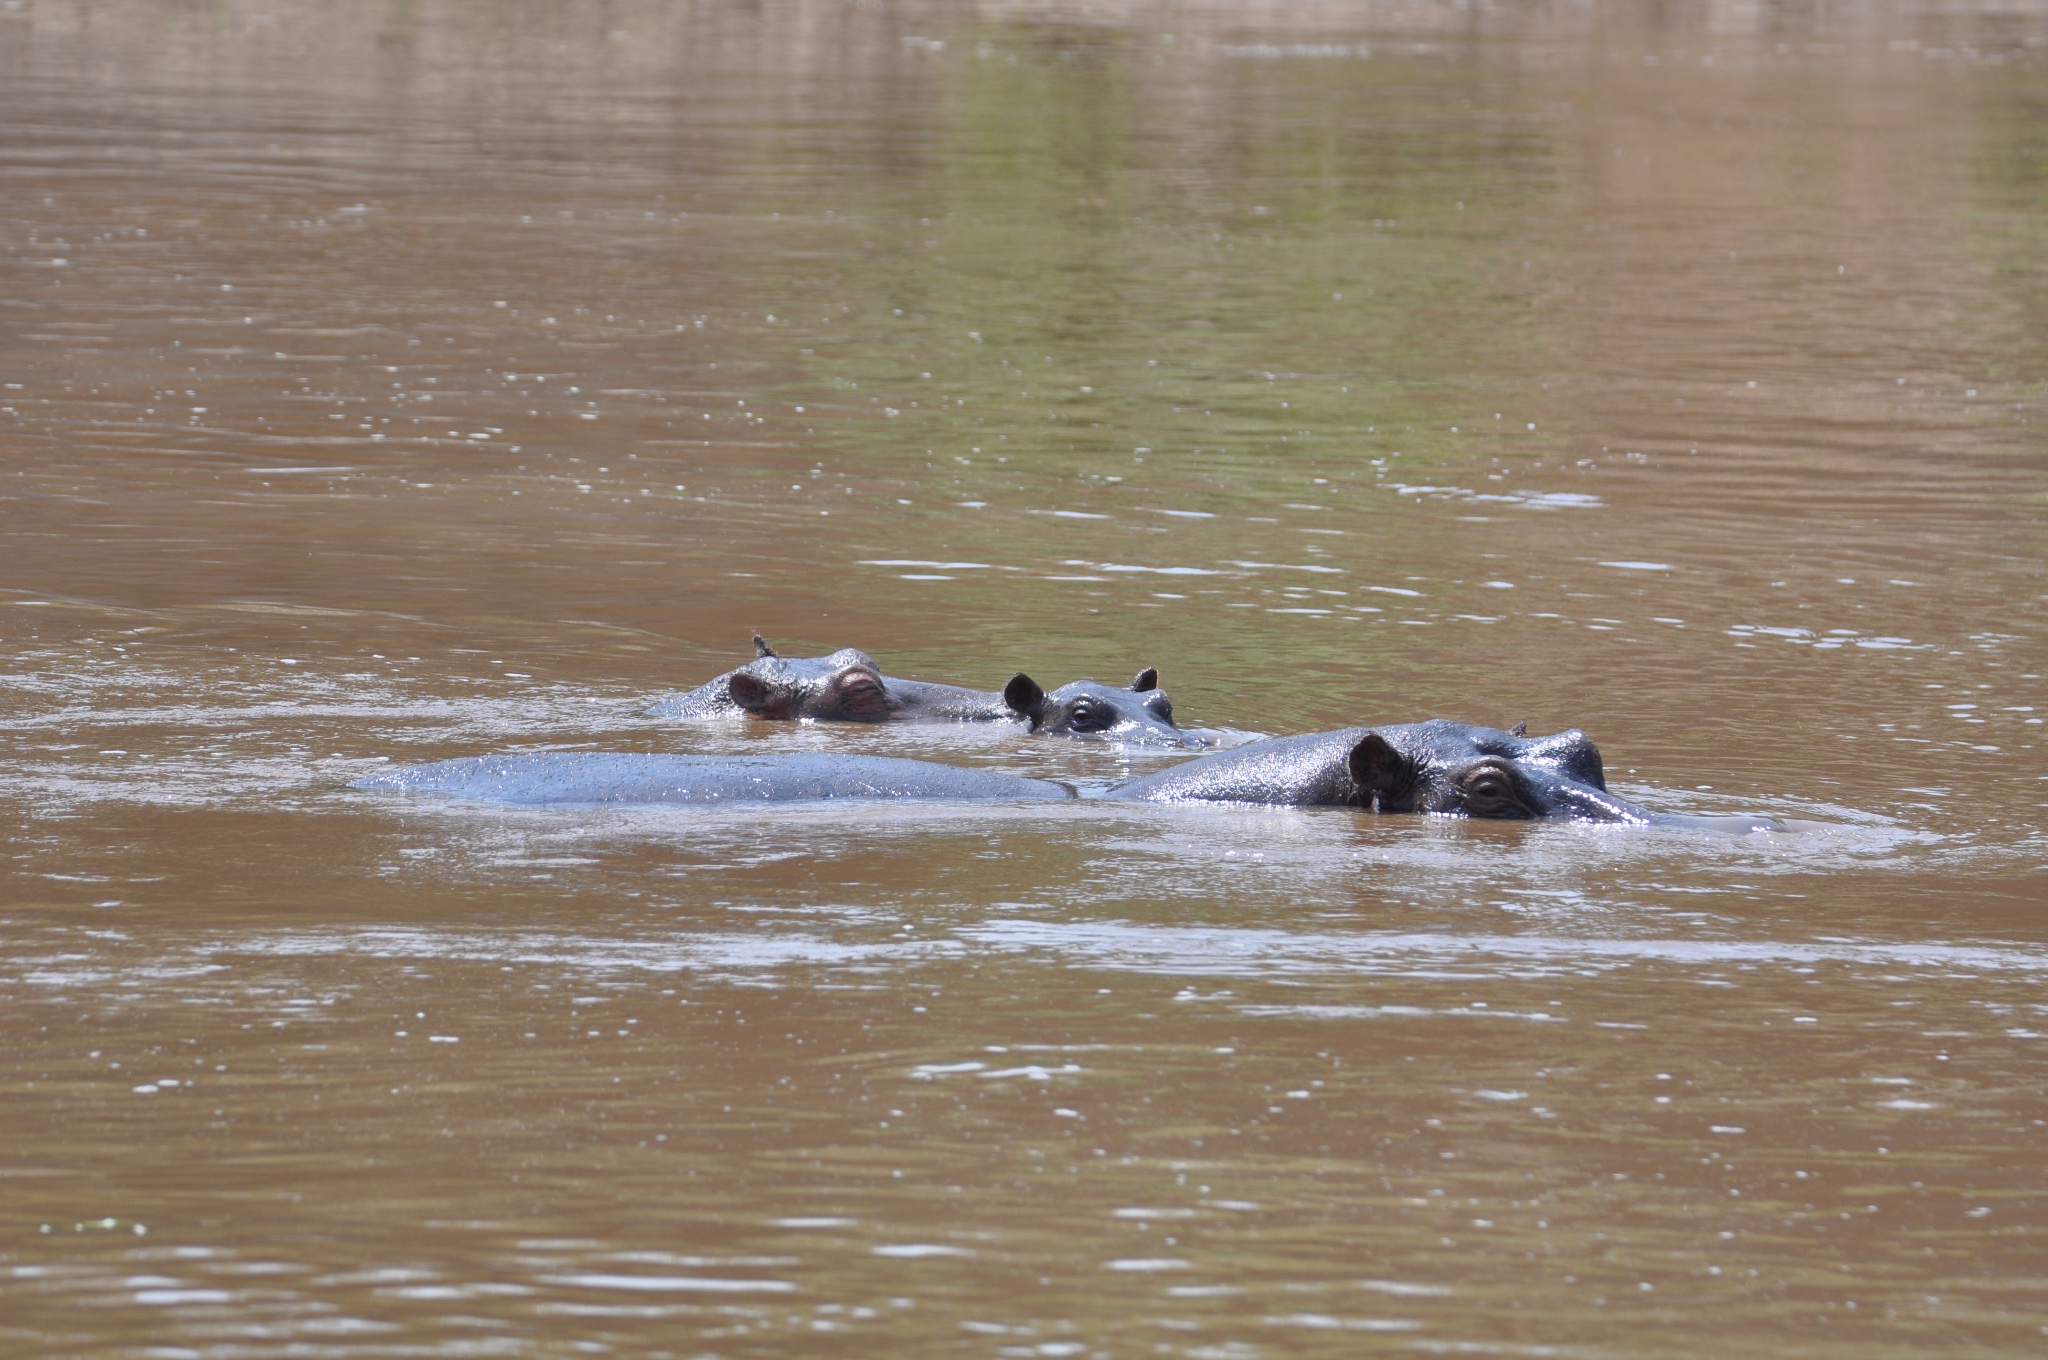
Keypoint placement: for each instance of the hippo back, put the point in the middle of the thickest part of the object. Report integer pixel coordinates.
(544, 778)
(1306, 771)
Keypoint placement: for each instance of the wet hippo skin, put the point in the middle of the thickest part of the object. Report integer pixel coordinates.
(848, 686)
(542, 778)
(1441, 767)
(1139, 714)
(1438, 766)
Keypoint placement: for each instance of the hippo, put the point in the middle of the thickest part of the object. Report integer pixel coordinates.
(1438, 766)
(542, 778)
(1139, 714)
(848, 686)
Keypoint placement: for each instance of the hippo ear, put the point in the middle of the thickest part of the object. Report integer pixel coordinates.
(1024, 697)
(749, 691)
(1146, 679)
(1384, 775)
(761, 647)
(1520, 729)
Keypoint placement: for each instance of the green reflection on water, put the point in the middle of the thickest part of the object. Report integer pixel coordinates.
(1166, 276)
(1087, 275)
(2012, 222)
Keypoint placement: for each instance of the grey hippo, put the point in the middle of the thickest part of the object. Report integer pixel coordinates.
(1439, 766)
(848, 686)
(542, 778)
(1139, 713)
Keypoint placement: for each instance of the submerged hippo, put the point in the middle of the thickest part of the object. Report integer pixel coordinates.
(540, 778)
(1442, 767)
(848, 686)
(1139, 714)
(1439, 766)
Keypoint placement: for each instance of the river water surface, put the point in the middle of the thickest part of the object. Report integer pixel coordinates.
(387, 382)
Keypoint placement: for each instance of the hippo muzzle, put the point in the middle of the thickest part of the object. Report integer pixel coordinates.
(846, 686)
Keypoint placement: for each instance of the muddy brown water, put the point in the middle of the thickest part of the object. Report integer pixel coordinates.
(386, 382)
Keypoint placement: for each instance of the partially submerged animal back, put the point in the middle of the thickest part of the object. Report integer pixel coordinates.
(1304, 771)
(549, 778)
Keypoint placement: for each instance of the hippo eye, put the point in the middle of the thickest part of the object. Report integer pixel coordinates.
(1088, 717)
(1491, 792)
(1160, 707)
(1487, 788)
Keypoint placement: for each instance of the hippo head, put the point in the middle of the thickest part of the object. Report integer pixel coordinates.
(1458, 770)
(846, 686)
(1141, 715)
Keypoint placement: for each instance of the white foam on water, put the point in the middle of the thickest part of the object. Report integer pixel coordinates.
(918, 1251)
(662, 1283)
